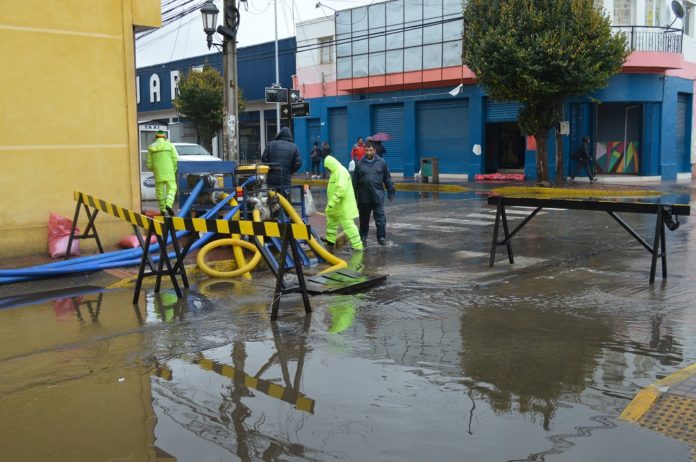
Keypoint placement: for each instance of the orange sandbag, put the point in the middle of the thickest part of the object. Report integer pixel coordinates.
(131, 241)
(59, 229)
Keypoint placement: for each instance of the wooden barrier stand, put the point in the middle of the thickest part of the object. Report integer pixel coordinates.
(657, 250)
(168, 226)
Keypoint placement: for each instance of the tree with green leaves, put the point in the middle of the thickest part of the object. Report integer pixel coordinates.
(200, 100)
(540, 52)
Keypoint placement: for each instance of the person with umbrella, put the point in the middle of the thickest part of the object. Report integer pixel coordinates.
(377, 140)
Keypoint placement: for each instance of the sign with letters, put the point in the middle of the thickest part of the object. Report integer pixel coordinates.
(300, 109)
(276, 95)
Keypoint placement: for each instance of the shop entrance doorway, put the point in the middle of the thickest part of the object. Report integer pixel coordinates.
(505, 148)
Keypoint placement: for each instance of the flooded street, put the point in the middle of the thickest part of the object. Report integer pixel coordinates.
(450, 360)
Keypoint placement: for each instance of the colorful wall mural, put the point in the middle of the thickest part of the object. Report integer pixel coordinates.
(617, 157)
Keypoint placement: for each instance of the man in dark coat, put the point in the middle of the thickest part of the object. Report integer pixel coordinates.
(370, 179)
(283, 156)
(583, 159)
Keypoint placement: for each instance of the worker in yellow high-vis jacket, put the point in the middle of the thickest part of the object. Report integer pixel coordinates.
(161, 159)
(341, 208)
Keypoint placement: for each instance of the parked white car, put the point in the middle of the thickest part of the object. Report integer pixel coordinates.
(188, 152)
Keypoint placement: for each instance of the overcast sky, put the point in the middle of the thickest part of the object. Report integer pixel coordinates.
(184, 37)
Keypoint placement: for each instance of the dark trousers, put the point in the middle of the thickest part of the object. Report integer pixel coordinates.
(315, 167)
(583, 162)
(377, 211)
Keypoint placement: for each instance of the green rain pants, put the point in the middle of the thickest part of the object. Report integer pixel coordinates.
(166, 194)
(348, 225)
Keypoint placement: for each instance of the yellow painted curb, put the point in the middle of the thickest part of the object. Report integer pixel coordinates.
(423, 187)
(645, 398)
(536, 191)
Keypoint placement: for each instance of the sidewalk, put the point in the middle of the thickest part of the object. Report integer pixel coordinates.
(668, 407)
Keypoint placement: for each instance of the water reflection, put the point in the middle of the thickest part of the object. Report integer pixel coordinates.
(235, 409)
(528, 358)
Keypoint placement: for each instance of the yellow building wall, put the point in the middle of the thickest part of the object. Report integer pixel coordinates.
(69, 117)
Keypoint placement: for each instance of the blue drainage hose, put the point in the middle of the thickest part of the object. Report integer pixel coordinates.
(119, 258)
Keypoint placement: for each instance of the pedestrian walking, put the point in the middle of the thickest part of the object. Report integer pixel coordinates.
(341, 209)
(370, 179)
(315, 157)
(283, 157)
(162, 160)
(583, 159)
(358, 151)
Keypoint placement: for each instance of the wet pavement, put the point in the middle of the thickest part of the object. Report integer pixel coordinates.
(449, 360)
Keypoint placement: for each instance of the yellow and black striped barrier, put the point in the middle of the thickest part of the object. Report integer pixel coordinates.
(287, 394)
(166, 227)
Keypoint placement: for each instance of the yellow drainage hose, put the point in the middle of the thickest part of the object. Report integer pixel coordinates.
(336, 262)
(243, 268)
(238, 244)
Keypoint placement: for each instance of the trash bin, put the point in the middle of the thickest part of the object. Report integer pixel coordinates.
(429, 168)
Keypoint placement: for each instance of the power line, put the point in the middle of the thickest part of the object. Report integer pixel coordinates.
(318, 46)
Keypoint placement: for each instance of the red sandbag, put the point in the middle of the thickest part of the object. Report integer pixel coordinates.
(59, 229)
(131, 241)
(499, 177)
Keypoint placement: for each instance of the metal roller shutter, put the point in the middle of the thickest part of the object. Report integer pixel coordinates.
(680, 132)
(338, 134)
(390, 119)
(502, 112)
(443, 132)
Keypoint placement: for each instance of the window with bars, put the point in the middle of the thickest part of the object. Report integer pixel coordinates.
(325, 50)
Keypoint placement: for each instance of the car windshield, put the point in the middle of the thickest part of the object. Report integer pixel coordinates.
(191, 150)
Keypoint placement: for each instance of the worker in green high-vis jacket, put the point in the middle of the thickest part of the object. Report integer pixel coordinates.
(341, 208)
(161, 159)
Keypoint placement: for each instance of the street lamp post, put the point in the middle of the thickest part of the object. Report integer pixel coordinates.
(209, 13)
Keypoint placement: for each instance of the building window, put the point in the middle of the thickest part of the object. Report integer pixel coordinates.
(398, 36)
(325, 50)
(652, 12)
(623, 12)
(689, 19)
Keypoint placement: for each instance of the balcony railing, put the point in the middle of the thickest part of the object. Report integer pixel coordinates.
(652, 38)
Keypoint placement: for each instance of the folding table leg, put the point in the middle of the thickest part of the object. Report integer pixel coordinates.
(508, 238)
(656, 244)
(496, 227)
(663, 249)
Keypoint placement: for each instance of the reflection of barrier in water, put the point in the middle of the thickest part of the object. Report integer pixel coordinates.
(241, 397)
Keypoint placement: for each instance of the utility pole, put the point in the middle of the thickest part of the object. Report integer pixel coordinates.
(231, 132)
(277, 71)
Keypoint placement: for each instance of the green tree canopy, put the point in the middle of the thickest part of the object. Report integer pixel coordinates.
(540, 52)
(200, 100)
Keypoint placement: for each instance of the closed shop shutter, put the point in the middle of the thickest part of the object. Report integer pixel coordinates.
(502, 112)
(390, 119)
(680, 132)
(443, 132)
(338, 134)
